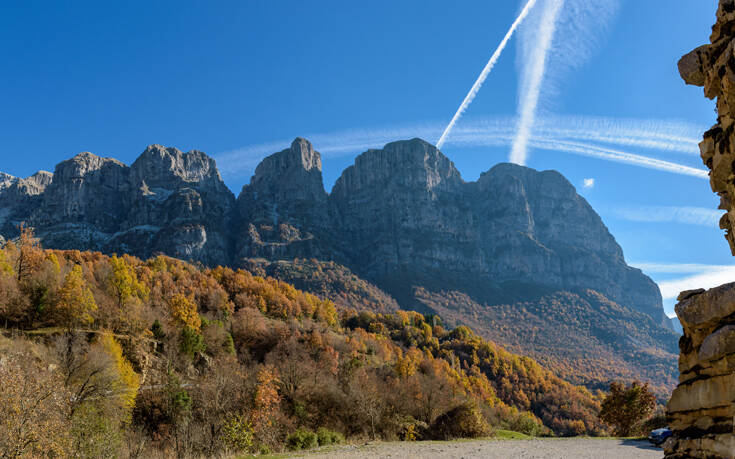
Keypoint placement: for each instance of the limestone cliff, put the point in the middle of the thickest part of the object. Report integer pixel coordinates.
(702, 407)
(284, 205)
(166, 202)
(401, 228)
(401, 216)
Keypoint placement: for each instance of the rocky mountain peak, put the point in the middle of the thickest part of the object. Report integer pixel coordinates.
(414, 164)
(36, 183)
(293, 174)
(303, 150)
(169, 168)
(6, 180)
(559, 214)
(83, 164)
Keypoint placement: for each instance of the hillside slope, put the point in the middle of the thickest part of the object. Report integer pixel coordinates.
(169, 354)
(583, 336)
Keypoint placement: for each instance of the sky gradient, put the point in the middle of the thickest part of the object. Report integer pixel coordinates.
(240, 79)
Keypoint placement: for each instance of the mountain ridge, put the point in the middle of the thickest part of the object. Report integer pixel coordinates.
(401, 218)
(406, 200)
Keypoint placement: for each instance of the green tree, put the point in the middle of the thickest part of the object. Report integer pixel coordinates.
(625, 408)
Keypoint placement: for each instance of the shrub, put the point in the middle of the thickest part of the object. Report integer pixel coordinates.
(328, 437)
(237, 433)
(657, 421)
(463, 421)
(409, 429)
(528, 424)
(302, 439)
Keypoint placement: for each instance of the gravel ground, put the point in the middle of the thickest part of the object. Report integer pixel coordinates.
(568, 448)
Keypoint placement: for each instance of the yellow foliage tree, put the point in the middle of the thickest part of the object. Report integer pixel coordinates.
(184, 312)
(128, 381)
(5, 266)
(123, 282)
(75, 302)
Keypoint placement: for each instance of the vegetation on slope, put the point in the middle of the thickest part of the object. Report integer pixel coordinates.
(164, 357)
(326, 279)
(582, 336)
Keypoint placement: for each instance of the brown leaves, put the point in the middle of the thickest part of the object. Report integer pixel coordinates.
(625, 408)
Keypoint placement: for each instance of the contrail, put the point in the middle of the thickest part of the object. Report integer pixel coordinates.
(532, 90)
(676, 268)
(702, 216)
(583, 149)
(492, 133)
(661, 135)
(619, 157)
(485, 72)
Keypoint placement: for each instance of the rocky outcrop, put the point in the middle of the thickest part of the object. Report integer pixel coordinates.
(711, 66)
(283, 209)
(563, 240)
(702, 408)
(177, 204)
(166, 202)
(402, 216)
(19, 195)
(404, 210)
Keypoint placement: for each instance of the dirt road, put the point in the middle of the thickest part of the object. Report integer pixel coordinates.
(551, 448)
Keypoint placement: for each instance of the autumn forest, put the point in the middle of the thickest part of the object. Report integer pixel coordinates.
(107, 356)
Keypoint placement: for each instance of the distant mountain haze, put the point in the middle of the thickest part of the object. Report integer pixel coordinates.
(401, 218)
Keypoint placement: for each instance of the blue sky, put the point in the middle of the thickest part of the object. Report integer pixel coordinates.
(240, 79)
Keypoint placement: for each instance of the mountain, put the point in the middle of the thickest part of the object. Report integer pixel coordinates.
(168, 353)
(404, 212)
(167, 201)
(400, 228)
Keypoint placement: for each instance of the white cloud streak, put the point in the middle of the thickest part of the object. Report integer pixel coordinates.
(588, 183)
(700, 276)
(689, 215)
(589, 150)
(485, 72)
(544, 58)
(707, 279)
(570, 134)
(535, 69)
(620, 157)
(677, 268)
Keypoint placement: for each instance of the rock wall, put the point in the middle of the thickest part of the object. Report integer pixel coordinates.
(400, 216)
(702, 408)
(713, 67)
(166, 202)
